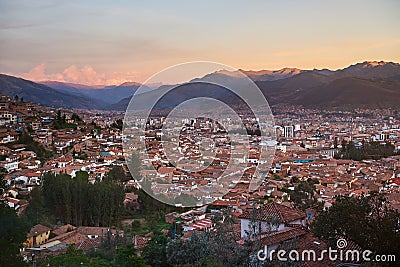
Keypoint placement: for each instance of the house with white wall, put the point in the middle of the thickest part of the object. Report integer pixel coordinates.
(274, 223)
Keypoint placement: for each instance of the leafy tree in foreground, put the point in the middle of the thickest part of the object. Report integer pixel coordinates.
(367, 220)
(36, 212)
(209, 248)
(126, 257)
(75, 258)
(155, 253)
(13, 231)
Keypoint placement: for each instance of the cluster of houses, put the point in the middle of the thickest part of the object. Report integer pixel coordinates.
(306, 145)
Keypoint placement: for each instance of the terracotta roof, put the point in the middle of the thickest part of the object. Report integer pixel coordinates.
(63, 229)
(396, 181)
(95, 230)
(38, 229)
(285, 214)
(219, 202)
(88, 244)
(13, 200)
(165, 170)
(280, 236)
(140, 242)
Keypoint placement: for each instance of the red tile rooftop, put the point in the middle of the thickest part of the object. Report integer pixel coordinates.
(37, 230)
(284, 213)
(201, 224)
(223, 203)
(280, 236)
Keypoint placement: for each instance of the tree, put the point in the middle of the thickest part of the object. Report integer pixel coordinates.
(78, 202)
(368, 150)
(37, 212)
(41, 152)
(303, 195)
(60, 121)
(76, 117)
(118, 124)
(367, 220)
(117, 175)
(209, 248)
(75, 258)
(155, 253)
(335, 142)
(12, 234)
(126, 257)
(13, 231)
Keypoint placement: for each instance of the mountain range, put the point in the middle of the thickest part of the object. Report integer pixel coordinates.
(369, 84)
(102, 94)
(43, 94)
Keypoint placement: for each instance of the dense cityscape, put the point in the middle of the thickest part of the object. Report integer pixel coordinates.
(65, 175)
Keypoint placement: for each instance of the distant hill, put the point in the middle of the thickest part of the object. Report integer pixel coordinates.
(69, 88)
(42, 94)
(272, 75)
(368, 84)
(350, 92)
(261, 75)
(103, 94)
(371, 69)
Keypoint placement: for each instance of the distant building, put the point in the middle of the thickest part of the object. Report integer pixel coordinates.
(288, 131)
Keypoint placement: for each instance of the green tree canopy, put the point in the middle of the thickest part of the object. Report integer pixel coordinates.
(13, 232)
(367, 220)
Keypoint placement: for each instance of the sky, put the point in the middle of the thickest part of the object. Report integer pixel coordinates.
(109, 42)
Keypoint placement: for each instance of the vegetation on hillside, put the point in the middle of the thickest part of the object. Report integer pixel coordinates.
(60, 121)
(366, 220)
(13, 231)
(75, 201)
(368, 150)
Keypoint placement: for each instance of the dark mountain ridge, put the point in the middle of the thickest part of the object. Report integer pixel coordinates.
(42, 94)
(362, 85)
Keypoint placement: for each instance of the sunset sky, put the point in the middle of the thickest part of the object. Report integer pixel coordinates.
(108, 42)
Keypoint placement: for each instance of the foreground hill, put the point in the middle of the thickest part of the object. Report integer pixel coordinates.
(42, 94)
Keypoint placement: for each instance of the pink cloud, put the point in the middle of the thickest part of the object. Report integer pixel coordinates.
(38, 74)
(84, 75)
